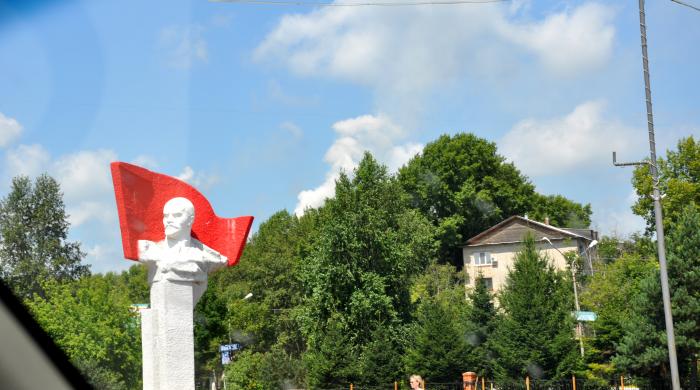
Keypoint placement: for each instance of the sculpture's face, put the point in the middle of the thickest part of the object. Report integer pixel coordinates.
(178, 215)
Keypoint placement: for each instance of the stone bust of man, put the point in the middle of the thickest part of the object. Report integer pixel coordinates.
(179, 257)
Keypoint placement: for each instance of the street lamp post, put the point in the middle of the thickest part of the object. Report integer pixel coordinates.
(579, 329)
(587, 253)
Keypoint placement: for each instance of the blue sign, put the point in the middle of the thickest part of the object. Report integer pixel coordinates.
(227, 351)
(588, 316)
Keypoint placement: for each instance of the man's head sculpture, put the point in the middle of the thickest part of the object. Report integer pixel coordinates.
(178, 217)
(142, 198)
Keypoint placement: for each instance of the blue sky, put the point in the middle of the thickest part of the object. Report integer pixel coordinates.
(260, 106)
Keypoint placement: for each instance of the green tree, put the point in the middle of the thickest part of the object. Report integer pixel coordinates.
(442, 282)
(437, 349)
(369, 245)
(333, 358)
(679, 182)
(535, 334)
(270, 370)
(91, 320)
(481, 324)
(266, 323)
(560, 211)
(609, 293)
(135, 279)
(381, 359)
(246, 372)
(643, 349)
(463, 186)
(33, 237)
(269, 269)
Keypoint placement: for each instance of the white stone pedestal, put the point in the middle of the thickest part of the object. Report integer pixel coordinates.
(167, 333)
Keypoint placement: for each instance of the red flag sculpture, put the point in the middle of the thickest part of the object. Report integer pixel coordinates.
(141, 195)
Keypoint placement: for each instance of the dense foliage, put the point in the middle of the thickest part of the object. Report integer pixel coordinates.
(643, 349)
(463, 186)
(33, 237)
(481, 324)
(534, 336)
(679, 182)
(91, 320)
(370, 244)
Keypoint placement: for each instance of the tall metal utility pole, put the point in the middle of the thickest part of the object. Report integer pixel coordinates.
(665, 294)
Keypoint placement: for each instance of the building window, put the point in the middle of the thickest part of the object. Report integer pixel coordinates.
(489, 283)
(482, 258)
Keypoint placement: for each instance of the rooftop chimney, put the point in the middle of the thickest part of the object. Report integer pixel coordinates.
(546, 220)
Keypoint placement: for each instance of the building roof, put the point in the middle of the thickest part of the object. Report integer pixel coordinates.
(514, 229)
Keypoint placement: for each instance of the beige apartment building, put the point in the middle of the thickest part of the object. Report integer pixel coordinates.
(492, 251)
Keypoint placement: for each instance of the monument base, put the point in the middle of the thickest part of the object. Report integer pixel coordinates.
(167, 336)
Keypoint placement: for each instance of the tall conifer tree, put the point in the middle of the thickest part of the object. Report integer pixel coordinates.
(437, 351)
(643, 350)
(535, 336)
(480, 329)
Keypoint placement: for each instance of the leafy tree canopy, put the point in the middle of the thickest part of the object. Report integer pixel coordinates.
(679, 182)
(369, 245)
(463, 186)
(610, 290)
(91, 320)
(269, 269)
(560, 211)
(33, 237)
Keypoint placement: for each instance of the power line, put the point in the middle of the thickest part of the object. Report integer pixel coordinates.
(360, 4)
(686, 4)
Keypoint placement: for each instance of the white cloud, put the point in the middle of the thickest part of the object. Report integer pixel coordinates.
(402, 53)
(27, 160)
(317, 197)
(377, 134)
(10, 130)
(183, 46)
(198, 179)
(569, 42)
(86, 211)
(619, 221)
(85, 177)
(399, 155)
(187, 174)
(580, 140)
(107, 257)
(145, 161)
